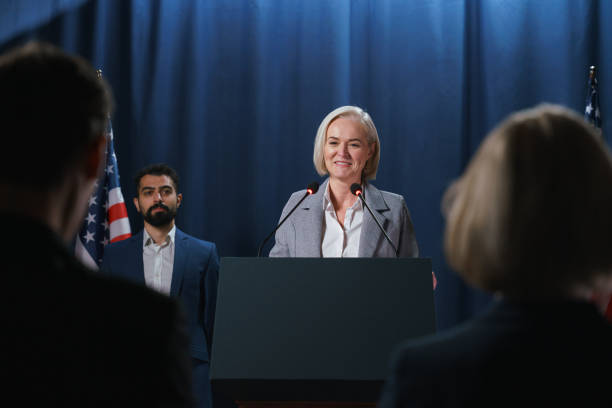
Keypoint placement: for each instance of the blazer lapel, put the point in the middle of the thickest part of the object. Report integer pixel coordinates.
(309, 225)
(181, 252)
(371, 236)
(136, 265)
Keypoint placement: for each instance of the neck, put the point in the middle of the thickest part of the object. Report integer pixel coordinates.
(158, 234)
(62, 209)
(340, 193)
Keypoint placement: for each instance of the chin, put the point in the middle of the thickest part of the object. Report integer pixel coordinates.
(345, 177)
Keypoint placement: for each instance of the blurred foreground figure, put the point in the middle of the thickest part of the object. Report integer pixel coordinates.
(71, 338)
(530, 220)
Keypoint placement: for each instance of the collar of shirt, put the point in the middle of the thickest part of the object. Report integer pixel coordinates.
(147, 240)
(329, 207)
(341, 241)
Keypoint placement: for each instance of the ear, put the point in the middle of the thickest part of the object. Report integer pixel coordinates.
(179, 199)
(94, 158)
(136, 204)
(371, 150)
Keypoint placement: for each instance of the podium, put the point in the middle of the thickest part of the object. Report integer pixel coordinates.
(315, 332)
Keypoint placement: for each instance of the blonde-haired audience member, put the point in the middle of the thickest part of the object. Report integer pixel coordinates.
(530, 221)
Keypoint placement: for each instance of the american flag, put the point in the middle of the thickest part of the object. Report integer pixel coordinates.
(106, 219)
(592, 113)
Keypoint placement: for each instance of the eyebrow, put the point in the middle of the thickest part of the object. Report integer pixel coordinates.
(350, 140)
(153, 188)
(355, 139)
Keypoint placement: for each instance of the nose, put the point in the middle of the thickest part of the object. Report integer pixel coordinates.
(157, 196)
(344, 149)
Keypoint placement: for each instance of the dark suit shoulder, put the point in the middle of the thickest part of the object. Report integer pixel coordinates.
(554, 346)
(196, 242)
(125, 290)
(455, 343)
(125, 243)
(113, 340)
(116, 300)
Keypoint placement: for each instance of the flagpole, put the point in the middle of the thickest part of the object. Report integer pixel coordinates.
(592, 112)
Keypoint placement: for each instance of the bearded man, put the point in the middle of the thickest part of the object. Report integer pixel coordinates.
(169, 261)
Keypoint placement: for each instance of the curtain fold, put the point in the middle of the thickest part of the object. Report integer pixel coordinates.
(231, 93)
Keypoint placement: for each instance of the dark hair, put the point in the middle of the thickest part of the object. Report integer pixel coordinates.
(159, 169)
(52, 107)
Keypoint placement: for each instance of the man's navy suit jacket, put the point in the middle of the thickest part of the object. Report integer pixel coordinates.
(194, 281)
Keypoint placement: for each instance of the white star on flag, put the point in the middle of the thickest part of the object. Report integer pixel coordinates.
(91, 217)
(89, 236)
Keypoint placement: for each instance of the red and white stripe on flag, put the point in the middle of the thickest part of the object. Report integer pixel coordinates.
(118, 221)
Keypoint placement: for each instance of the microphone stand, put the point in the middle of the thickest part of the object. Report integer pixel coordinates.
(356, 189)
(312, 188)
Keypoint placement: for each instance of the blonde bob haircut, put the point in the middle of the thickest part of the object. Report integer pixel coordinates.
(370, 132)
(531, 216)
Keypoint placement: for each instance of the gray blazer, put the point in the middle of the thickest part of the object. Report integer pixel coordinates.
(302, 234)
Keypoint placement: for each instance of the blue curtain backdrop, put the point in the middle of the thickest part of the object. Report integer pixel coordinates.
(230, 92)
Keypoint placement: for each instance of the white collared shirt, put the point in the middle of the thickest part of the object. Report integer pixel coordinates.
(339, 242)
(158, 261)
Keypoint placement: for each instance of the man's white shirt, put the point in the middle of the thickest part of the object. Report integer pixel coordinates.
(158, 261)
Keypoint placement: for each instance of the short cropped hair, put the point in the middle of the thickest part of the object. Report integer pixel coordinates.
(370, 132)
(52, 107)
(532, 214)
(158, 169)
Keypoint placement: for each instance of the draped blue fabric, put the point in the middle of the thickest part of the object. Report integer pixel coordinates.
(231, 92)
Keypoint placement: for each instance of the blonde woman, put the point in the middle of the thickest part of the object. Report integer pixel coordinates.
(333, 221)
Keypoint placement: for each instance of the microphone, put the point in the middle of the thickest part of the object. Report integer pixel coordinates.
(358, 191)
(310, 190)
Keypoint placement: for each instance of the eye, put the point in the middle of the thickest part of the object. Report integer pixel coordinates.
(355, 144)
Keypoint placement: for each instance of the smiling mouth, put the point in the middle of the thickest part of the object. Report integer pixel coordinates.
(342, 163)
